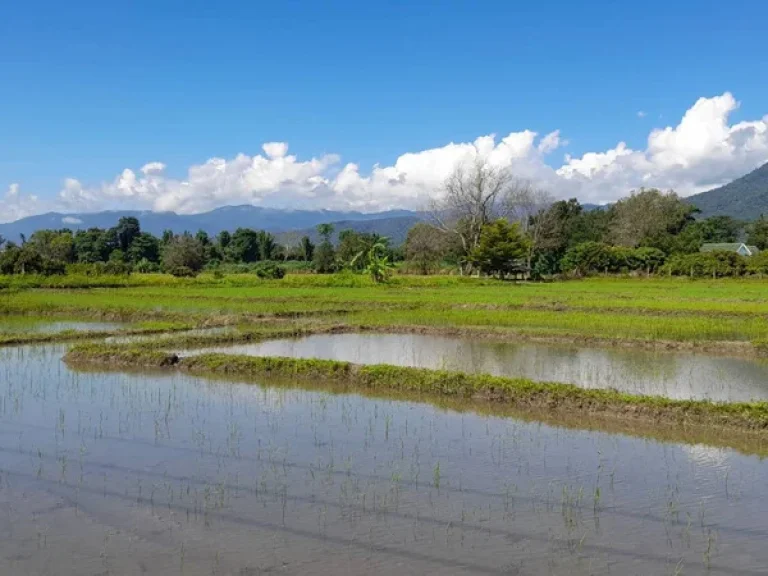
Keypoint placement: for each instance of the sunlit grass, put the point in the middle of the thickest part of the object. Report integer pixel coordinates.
(630, 308)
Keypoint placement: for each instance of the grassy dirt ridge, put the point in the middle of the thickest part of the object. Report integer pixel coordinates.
(146, 329)
(517, 392)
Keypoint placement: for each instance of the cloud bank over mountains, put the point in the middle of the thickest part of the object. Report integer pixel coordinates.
(701, 152)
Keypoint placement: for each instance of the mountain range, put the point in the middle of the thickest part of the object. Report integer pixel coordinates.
(289, 225)
(745, 198)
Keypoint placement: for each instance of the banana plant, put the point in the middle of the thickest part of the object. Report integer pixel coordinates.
(377, 263)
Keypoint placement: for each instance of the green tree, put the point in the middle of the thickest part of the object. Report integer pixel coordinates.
(591, 226)
(720, 229)
(757, 233)
(8, 258)
(202, 237)
(28, 260)
(267, 245)
(562, 226)
(91, 246)
(117, 255)
(54, 245)
(325, 258)
(144, 247)
(587, 257)
(107, 243)
(501, 250)
(224, 238)
(351, 244)
(307, 249)
(326, 231)
(126, 230)
(553, 230)
(244, 246)
(758, 264)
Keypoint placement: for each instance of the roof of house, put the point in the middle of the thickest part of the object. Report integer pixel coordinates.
(728, 247)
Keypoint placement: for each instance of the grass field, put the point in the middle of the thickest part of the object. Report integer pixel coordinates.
(726, 316)
(630, 310)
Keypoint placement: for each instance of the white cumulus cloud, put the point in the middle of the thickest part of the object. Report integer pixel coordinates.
(15, 205)
(702, 151)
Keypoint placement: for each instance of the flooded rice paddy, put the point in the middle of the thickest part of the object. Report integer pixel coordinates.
(21, 324)
(674, 375)
(163, 473)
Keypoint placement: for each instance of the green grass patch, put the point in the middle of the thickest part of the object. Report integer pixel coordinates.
(632, 309)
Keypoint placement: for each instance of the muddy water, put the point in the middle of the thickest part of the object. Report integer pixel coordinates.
(169, 474)
(680, 376)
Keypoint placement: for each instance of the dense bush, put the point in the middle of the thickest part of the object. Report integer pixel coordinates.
(117, 268)
(621, 259)
(706, 264)
(145, 266)
(586, 257)
(181, 272)
(758, 264)
(183, 256)
(270, 270)
(594, 257)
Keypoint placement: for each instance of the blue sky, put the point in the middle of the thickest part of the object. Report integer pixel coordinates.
(92, 88)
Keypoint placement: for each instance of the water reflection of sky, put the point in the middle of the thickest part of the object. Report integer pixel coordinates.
(14, 325)
(127, 470)
(674, 375)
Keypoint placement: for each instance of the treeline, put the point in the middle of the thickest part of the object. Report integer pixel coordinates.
(496, 227)
(521, 233)
(648, 231)
(126, 248)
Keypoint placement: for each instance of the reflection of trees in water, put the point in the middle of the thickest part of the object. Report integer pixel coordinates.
(641, 372)
(674, 375)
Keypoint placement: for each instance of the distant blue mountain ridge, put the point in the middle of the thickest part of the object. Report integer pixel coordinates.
(226, 218)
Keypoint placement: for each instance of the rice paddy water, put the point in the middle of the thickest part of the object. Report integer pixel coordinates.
(165, 473)
(674, 375)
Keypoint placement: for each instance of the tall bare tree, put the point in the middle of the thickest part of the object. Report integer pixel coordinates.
(478, 193)
(426, 246)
